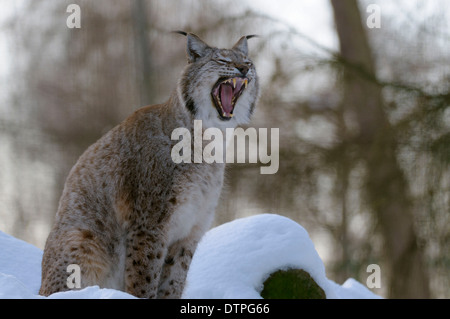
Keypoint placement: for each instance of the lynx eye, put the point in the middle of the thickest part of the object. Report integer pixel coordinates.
(223, 61)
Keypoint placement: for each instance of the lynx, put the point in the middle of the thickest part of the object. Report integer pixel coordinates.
(129, 216)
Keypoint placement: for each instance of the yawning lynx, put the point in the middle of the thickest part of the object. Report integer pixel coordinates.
(129, 216)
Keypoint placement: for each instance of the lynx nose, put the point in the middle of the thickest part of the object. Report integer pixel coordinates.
(242, 68)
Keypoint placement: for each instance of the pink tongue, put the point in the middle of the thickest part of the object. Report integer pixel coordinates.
(226, 94)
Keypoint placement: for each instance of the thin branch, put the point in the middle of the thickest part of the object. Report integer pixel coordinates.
(336, 57)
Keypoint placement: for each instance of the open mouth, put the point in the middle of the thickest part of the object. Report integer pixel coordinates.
(225, 93)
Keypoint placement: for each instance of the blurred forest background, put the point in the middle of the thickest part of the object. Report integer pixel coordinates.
(364, 118)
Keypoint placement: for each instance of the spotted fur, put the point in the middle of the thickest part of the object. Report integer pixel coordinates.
(129, 216)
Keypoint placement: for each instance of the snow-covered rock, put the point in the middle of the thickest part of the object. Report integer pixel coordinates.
(233, 260)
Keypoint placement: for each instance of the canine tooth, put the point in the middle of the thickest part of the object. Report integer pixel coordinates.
(245, 83)
(234, 83)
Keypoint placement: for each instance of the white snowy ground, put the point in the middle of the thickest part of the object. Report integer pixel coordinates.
(232, 261)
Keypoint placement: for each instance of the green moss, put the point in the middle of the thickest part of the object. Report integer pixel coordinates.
(291, 284)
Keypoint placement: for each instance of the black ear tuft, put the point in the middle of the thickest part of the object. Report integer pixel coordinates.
(180, 32)
(252, 36)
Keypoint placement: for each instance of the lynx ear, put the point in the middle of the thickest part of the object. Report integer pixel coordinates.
(196, 48)
(241, 45)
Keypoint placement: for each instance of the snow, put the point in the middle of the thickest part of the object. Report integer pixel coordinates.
(231, 262)
(20, 274)
(234, 259)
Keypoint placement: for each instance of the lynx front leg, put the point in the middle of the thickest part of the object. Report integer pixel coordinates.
(175, 268)
(144, 261)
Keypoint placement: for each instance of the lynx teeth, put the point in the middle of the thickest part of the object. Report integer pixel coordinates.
(229, 115)
(234, 83)
(245, 83)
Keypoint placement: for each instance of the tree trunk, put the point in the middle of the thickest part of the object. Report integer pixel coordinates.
(143, 63)
(386, 187)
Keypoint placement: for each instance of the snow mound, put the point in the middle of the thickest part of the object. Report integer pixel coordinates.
(234, 259)
(21, 261)
(231, 261)
(20, 274)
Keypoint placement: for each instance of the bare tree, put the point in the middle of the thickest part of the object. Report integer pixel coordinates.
(386, 187)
